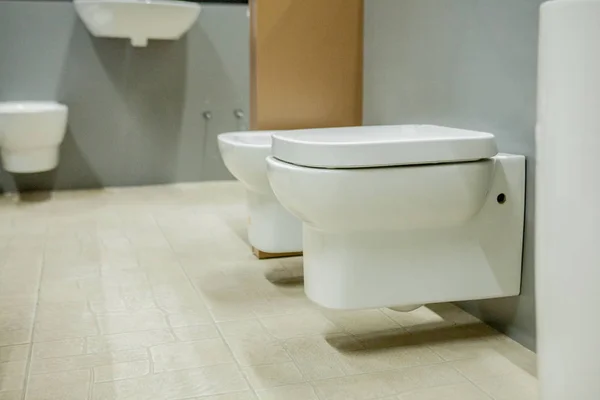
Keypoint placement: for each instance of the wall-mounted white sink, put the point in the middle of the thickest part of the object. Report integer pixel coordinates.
(138, 20)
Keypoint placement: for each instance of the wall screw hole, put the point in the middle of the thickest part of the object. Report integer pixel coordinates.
(501, 198)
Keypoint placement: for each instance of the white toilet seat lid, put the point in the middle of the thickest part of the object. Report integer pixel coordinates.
(376, 146)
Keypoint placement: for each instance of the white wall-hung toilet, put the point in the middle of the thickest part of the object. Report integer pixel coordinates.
(271, 228)
(31, 134)
(402, 215)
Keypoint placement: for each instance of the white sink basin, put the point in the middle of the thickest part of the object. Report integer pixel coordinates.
(138, 20)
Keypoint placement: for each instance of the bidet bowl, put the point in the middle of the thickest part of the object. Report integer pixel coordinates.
(244, 155)
(271, 228)
(30, 135)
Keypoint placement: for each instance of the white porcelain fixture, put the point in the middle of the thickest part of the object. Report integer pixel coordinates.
(402, 215)
(271, 228)
(31, 134)
(567, 221)
(138, 20)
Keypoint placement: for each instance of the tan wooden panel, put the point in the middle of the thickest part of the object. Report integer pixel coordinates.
(262, 255)
(306, 63)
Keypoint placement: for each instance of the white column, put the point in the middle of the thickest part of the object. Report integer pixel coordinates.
(568, 201)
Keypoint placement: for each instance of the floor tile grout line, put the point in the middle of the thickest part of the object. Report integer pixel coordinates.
(92, 380)
(281, 342)
(88, 368)
(469, 379)
(206, 396)
(35, 315)
(254, 365)
(94, 315)
(315, 391)
(199, 294)
(449, 385)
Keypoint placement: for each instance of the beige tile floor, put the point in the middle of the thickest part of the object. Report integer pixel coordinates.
(152, 293)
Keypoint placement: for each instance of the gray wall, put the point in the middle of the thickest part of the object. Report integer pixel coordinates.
(135, 113)
(467, 64)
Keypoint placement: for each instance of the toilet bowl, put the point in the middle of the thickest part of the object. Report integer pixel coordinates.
(31, 134)
(271, 228)
(395, 216)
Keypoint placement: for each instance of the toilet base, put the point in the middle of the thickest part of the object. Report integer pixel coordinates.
(271, 228)
(393, 268)
(24, 161)
(407, 308)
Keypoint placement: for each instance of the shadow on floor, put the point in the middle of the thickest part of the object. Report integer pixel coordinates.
(435, 335)
(34, 197)
(287, 272)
